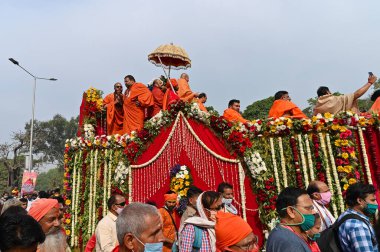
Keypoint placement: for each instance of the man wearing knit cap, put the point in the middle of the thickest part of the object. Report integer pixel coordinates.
(169, 228)
(46, 213)
(234, 234)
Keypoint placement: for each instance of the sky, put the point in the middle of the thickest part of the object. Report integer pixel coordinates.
(244, 50)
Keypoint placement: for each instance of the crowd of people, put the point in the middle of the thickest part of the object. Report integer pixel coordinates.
(210, 222)
(127, 111)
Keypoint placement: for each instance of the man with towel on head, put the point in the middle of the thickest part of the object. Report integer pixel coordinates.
(169, 227)
(234, 234)
(46, 213)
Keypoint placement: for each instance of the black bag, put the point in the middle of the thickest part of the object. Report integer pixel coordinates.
(329, 240)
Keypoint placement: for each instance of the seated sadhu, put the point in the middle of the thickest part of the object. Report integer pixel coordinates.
(376, 105)
(232, 114)
(283, 107)
(115, 114)
(328, 102)
(202, 98)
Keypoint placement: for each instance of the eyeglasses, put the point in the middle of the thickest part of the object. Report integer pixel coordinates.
(247, 247)
(120, 204)
(118, 87)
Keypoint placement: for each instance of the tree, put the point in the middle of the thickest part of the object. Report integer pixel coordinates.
(49, 180)
(211, 109)
(258, 109)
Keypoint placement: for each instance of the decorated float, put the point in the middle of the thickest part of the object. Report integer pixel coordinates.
(184, 146)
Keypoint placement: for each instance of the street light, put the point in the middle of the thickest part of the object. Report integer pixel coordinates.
(33, 106)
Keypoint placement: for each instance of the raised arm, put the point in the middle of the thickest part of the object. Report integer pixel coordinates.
(358, 93)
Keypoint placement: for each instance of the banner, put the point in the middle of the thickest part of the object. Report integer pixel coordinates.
(28, 182)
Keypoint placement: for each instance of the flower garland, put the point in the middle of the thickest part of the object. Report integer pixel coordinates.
(91, 196)
(328, 175)
(180, 180)
(293, 146)
(303, 161)
(94, 98)
(318, 160)
(365, 157)
(373, 148)
(255, 164)
(242, 191)
(283, 165)
(105, 181)
(278, 185)
(335, 174)
(309, 160)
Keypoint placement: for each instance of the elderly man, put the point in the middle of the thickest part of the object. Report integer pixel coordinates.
(115, 113)
(226, 190)
(283, 107)
(168, 220)
(139, 228)
(232, 114)
(296, 212)
(20, 232)
(328, 102)
(158, 92)
(46, 213)
(137, 99)
(202, 98)
(184, 91)
(106, 237)
(320, 193)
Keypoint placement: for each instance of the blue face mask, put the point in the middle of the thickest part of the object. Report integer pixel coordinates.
(314, 237)
(371, 208)
(151, 247)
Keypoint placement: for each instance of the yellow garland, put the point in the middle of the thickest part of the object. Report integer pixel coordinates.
(77, 195)
(365, 157)
(303, 161)
(242, 191)
(335, 173)
(283, 165)
(73, 189)
(272, 150)
(109, 175)
(328, 176)
(309, 159)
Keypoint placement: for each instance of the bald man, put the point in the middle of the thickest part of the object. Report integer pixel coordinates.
(320, 193)
(184, 91)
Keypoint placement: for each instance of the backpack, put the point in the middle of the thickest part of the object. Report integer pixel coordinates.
(197, 244)
(329, 240)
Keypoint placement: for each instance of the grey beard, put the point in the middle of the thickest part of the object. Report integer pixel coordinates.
(55, 241)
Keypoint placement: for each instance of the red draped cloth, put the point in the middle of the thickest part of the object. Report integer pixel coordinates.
(152, 181)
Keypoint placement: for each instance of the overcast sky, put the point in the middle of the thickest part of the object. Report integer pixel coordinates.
(246, 50)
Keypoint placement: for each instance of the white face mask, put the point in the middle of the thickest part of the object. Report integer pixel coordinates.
(227, 201)
(119, 210)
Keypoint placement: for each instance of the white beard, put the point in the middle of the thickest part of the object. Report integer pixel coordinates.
(55, 242)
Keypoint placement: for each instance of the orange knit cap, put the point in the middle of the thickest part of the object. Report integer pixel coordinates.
(173, 81)
(41, 207)
(230, 229)
(170, 197)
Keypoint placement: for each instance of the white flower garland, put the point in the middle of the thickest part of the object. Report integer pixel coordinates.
(105, 180)
(303, 160)
(109, 176)
(121, 173)
(283, 165)
(242, 191)
(272, 150)
(365, 156)
(328, 175)
(309, 159)
(94, 189)
(77, 205)
(73, 189)
(89, 131)
(335, 173)
(89, 228)
(255, 164)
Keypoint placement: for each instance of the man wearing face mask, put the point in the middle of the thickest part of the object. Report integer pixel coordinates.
(358, 234)
(106, 238)
(297, 215)
(227, 193)
(168, 220)
(320, 193)
(139, 228)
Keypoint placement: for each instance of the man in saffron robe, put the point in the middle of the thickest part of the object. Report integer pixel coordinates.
(170, 95)
(168, 214)
(328, 102)
(158, 93)
(137, 98)
(184, 91)
(283, 107)
(115, 113)
(376, 105)
(232, 114)
(202, 98)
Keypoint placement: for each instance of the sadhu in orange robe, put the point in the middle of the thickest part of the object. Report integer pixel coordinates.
(184, 91)
(158, 99)
(285, 108)
(376, 106)
(115, 115)
(201, 106)
(134, 115)
(170, 96)
(233, 116)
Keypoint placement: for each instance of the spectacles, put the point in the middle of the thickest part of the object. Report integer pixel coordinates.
(247, 247)
(118, 87)
(120, 204)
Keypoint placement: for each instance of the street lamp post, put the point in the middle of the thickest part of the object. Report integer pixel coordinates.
(33, 106)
